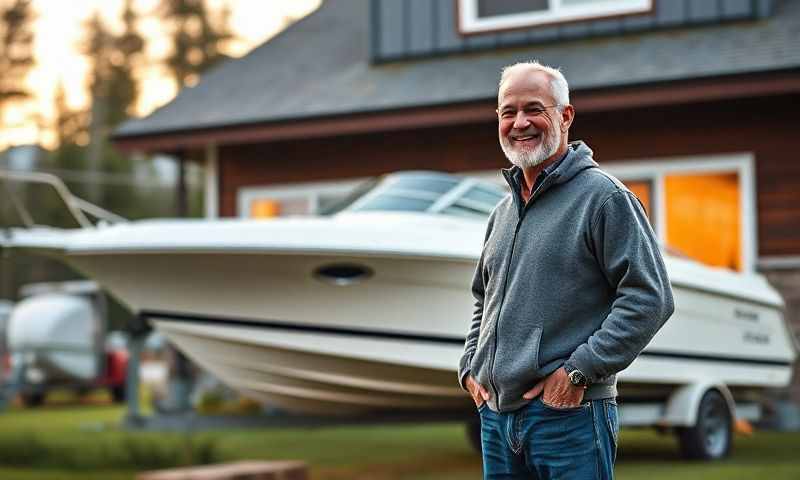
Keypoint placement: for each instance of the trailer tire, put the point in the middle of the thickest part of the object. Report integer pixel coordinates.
(32, 399)
(118, 393)
(711, 438)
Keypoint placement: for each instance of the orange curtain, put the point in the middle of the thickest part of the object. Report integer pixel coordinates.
(703, 218)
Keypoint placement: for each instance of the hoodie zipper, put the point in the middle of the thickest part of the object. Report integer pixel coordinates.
(521, 214)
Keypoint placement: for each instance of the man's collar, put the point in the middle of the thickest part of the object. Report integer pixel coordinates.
(549, 169)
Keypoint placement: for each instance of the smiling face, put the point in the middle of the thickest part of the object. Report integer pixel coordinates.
(531, 127)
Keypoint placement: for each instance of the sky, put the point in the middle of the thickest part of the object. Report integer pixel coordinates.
(58, 31)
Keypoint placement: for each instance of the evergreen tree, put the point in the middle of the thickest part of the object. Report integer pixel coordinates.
(123, 90)
(68, 124)
(198, 37)
(98, 48)
(16, 49)
(71, 129)
(113, 87)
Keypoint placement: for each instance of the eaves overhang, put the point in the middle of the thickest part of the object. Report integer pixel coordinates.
(662, 93)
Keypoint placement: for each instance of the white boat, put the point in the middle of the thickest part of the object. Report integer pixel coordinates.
(366, 310)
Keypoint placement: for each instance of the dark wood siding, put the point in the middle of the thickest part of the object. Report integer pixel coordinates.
(765, 126)
(411, 28)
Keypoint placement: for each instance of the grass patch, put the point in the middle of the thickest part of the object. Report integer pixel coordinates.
(82, 442)
(87, 438)
(92, 451)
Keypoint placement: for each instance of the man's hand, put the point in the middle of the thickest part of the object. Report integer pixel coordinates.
(559, 392)
(476, 390)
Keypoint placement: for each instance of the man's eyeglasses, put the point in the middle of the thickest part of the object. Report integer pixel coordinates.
(532, 111)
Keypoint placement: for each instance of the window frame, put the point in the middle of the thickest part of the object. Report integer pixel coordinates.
(470, 24)
(306, 190)
(654, 170)
(742, 164)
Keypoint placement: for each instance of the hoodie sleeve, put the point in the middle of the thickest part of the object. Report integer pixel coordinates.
(478, 292)
(628, 253)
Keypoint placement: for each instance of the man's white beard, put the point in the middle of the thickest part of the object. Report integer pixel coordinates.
(528, 158)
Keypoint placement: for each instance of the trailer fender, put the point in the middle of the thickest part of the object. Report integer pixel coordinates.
(683, 404)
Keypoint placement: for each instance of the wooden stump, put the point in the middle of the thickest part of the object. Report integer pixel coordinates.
(280, 470)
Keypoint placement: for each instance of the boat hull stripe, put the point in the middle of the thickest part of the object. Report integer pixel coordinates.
(716, 358)
(286, 326)
(441, 339)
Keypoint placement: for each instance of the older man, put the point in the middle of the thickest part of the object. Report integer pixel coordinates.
(569, 289)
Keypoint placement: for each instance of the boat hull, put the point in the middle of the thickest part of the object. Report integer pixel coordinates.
(267, 325)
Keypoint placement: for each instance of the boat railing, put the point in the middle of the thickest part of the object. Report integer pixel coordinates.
(77, 207)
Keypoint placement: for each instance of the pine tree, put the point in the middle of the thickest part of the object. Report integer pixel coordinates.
(69, 125)
(123, 90)
(16, 49)
(114, 91)
(198, 38)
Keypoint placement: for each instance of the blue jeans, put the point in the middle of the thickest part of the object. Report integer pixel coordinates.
(541, 442)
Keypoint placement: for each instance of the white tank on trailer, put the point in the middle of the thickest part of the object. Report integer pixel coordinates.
(55, 335)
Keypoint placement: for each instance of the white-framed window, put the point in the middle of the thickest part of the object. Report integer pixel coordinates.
(310, 198)
(478, 16)
(703, 207)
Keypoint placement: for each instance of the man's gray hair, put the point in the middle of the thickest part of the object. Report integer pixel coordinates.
(558, 84)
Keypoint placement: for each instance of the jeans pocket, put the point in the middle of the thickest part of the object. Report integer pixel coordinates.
(612, 418)
(583, 406)
(482, 406)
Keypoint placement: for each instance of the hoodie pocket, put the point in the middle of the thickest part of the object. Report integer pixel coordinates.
(536, 342)
(517, 360)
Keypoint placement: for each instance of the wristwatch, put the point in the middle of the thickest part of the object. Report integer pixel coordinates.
(576, 377)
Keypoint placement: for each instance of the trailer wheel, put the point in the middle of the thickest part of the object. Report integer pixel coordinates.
(474, 434)
(711, 437)
(33, 399)
(118, 393)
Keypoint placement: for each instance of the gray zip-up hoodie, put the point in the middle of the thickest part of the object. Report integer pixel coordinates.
(575, 276)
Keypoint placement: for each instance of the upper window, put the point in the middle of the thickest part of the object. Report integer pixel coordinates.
(479, 16)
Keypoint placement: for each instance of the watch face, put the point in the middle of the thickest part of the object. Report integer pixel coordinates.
(577, 378)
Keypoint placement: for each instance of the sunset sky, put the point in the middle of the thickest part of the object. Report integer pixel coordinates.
(58, 30)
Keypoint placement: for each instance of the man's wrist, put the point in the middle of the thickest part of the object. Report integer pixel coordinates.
(576, 376)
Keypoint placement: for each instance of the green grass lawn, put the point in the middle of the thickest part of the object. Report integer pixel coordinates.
(82, 442)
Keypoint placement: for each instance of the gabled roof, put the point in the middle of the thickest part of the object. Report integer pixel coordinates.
(319, 67)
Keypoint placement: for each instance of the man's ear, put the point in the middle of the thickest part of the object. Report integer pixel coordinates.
(567, 115)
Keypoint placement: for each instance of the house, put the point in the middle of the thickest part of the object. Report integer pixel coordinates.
(692, 103)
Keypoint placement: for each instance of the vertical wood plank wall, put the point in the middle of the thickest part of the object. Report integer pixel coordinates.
(411, 28)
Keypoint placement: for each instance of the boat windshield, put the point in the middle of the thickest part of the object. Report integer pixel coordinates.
(431, 192)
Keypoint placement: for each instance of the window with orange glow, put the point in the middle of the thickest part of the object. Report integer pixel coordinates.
(272, 207)
(703, 217)
(643, 191)
(265, 208)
